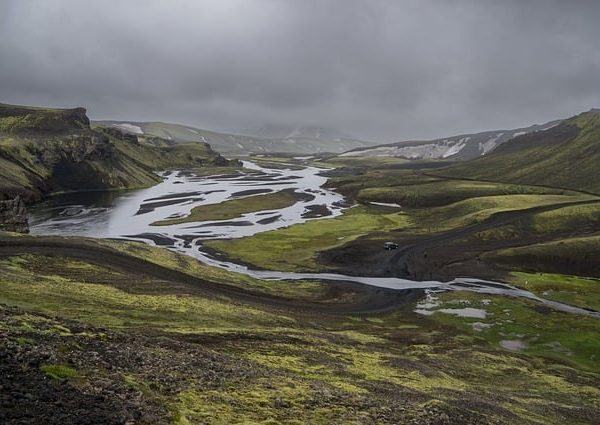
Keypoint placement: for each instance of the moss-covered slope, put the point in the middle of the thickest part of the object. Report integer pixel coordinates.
(567, 155)
(91, 340)
(48, 150)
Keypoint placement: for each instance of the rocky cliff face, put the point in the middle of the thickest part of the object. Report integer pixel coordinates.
(13, 216)
(27, 120)
(45, 150)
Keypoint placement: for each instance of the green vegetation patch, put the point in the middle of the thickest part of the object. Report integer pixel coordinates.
(361, 161)
(59, 371)
(580, 217)
(294, 248)
(574, 290)
(524, 326)
(475, 210)
(262, 403)
(235, 208)
(438, 193)
(301, 290)
(277, 162)
(352, 369)
(352, 181)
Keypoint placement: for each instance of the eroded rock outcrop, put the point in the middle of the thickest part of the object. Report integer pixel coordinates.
(26, 120)
(13, 216)
(45, 150)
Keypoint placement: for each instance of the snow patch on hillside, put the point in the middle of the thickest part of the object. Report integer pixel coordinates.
(130, 128)
(443, 149)
(488, 145)
(456, 148)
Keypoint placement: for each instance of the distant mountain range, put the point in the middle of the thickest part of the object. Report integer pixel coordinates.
(279, 131)
(266, 139)
(459, 148)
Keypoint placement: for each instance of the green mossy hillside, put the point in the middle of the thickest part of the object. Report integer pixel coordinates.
(567, 155)
(52, 150)
(424, 190)
(577, 254)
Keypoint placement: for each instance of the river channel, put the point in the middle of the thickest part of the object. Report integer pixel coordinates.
(130, 214)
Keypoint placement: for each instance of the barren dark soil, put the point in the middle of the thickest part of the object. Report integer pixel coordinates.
(442, 256)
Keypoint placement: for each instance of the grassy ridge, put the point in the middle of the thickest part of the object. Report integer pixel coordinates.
(557, 223)
(576, 254)
(477, 210)
(130, 306)
(418, 190)
(189, 265)
(25, 119)
(439, 193)
(295, 248)
(582, 218)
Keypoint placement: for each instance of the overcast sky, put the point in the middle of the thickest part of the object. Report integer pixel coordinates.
(377, 69)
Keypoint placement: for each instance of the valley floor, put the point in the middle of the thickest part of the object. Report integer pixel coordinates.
(104, 331)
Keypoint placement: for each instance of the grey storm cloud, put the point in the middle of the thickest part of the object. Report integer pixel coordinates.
(382, 70)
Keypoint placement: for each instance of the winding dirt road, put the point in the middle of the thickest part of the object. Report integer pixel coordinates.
(399, 261)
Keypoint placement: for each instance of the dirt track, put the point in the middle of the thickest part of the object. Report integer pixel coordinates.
(367, 257)
(400, 259)
(370, 299)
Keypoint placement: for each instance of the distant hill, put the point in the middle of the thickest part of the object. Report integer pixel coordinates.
(268, 139)
(282, 131)
(462, 147)
(46, 150)
(566, 155)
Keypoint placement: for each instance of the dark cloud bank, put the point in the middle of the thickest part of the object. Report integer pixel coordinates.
(384, 70)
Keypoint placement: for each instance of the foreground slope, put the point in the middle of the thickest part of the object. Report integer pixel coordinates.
(567, 155)
(46, 150)
(110, 332)
(305, 140)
